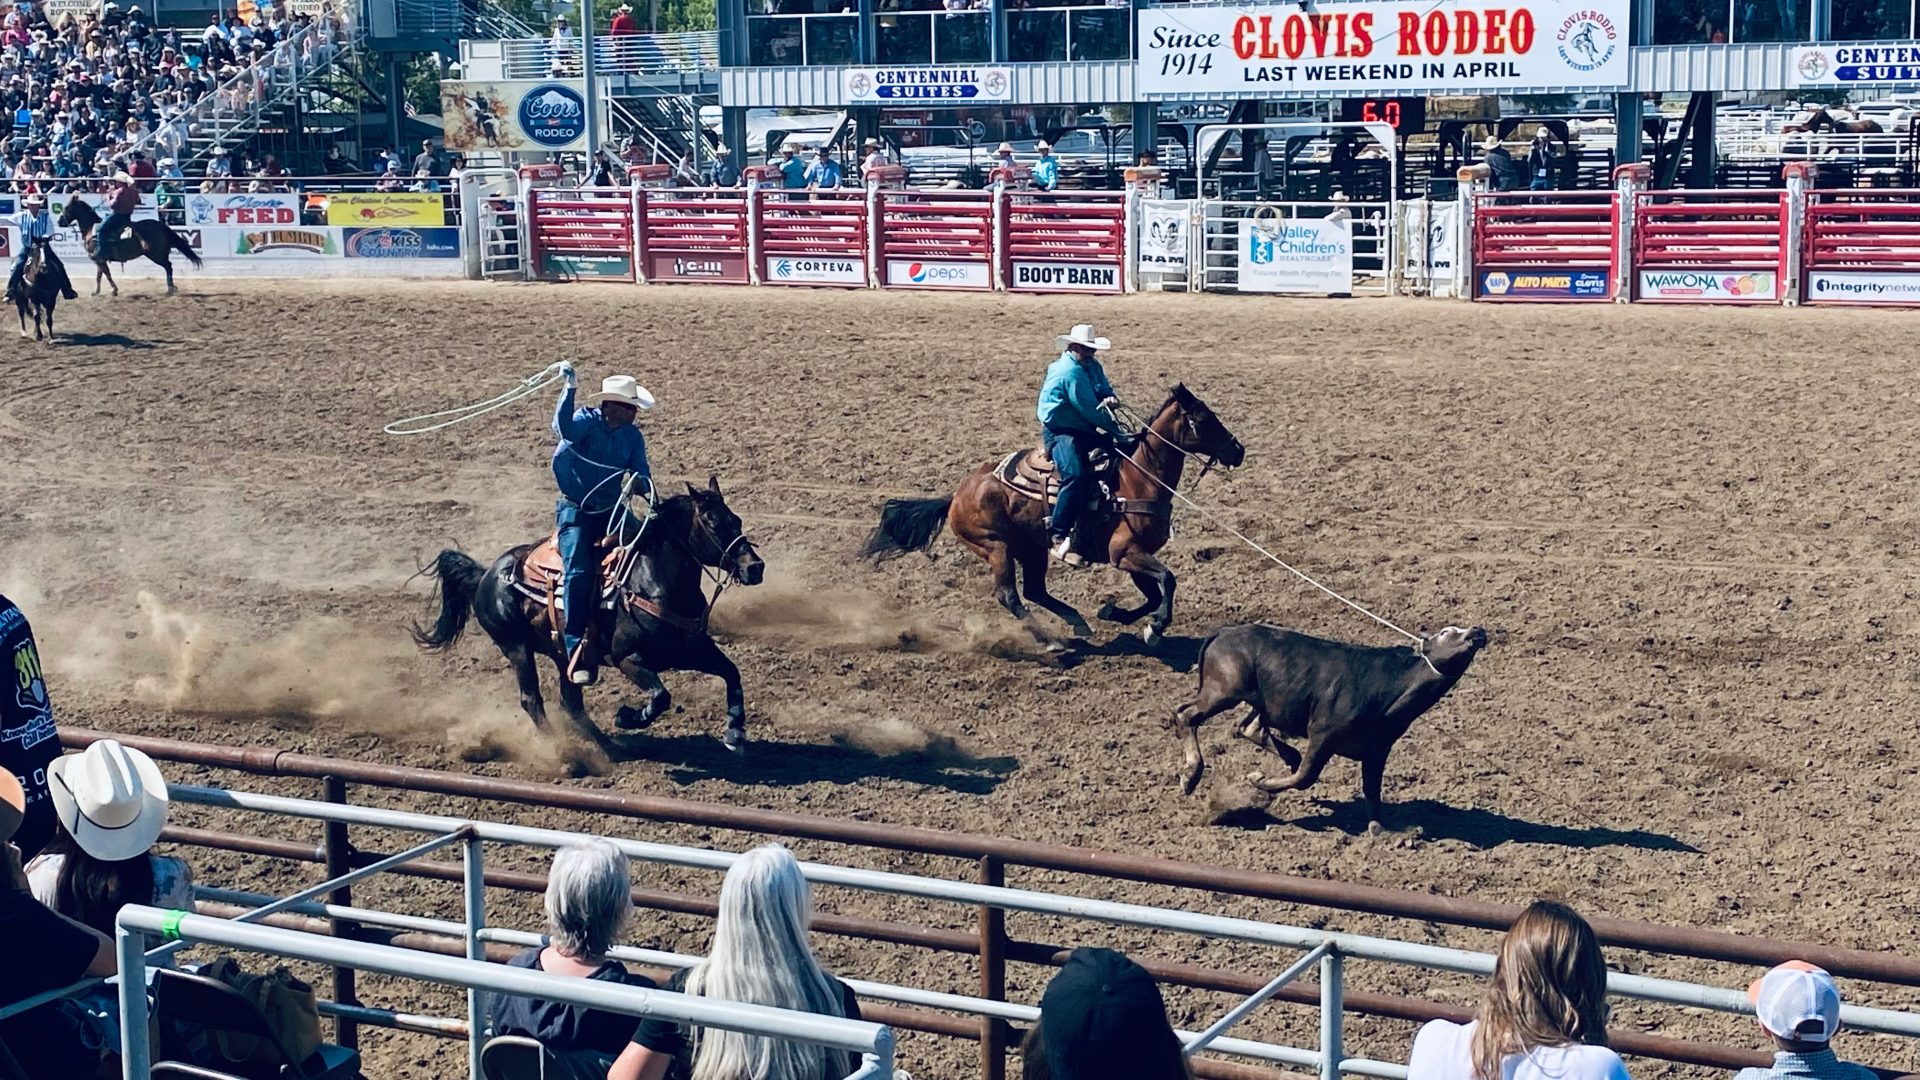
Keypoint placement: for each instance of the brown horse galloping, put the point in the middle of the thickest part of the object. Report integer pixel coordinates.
(1009, 529)
(152, 239)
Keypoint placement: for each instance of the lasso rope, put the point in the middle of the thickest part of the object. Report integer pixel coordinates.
(1147, 431)
(528, 387)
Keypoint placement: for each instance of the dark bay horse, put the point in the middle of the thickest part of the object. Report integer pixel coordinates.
(659, 622)
(39, 291)
(1009, 530)
(1821, 120)
(152, 239)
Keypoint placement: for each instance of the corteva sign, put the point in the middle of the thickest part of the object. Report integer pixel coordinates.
(1381, 46)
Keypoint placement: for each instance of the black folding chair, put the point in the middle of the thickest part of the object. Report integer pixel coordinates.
(195, 1004)
(513, 1057)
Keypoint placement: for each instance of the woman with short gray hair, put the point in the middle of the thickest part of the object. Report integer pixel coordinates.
(589, 900)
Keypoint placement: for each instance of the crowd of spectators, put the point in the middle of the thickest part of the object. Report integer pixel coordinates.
(89, 95)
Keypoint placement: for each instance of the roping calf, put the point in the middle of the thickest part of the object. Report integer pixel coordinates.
(1351, 700)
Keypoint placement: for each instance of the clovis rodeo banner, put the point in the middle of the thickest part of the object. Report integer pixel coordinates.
(1382, 46)
(523, 115)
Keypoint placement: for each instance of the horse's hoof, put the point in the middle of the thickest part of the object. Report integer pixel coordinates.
(632, 719)
(735, 739)
(1149, 636)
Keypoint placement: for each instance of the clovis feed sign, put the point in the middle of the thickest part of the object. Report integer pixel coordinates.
(1381, 46)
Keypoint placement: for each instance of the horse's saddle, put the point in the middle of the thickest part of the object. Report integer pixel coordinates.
(1030, 472)
(542, 569)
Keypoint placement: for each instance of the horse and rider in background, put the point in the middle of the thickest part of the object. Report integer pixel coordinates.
(38, 279)
(149, 238)
(1093, 492)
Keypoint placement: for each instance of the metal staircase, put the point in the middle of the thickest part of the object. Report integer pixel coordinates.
(254, 99)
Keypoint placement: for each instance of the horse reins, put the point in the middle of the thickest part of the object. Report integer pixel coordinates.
(720, 578)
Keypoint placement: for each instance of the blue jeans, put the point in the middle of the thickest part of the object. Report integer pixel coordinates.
(1540, 182)
(1068, 449)
(110, 231)
(579, 535)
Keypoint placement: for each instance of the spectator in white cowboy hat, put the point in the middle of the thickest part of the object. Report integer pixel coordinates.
(1046, 171)
(1506, 176)
(876, 156)
(1076, 416)
(112, 803)
(725, 174)
(1540, 157)
(623, 23)
(1003, 156)
(45, 951)
(793, 171)
(1798, 1006)
(598, 445)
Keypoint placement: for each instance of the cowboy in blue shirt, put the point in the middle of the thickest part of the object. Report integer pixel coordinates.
(34, 223)
(1046, 171)
(1076, 403)
(824, 173)
(598, 446)
(725, 173)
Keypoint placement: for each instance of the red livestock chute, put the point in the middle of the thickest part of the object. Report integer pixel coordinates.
(812, 237)
(1862, 247)
(1710, 247)
(581, 234)
(694, 235)
(1066, 242)
(936, 239)
(1546, 246)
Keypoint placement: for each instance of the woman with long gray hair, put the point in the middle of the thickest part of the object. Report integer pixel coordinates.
(760, 957)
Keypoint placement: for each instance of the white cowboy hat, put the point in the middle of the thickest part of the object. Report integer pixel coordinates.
(121, 177)
(1003, 148)
(625, 390)
(1083, 335)
(1491, 142)
(111, 799)
(34, 198)
(1043, 145)
(722, 151)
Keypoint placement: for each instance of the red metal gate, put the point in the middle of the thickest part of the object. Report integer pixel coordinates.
(1862, 247)
(1710, 247)
(936, 239)
(1066, 242)
(688, 234)
(812, 237)
(1546, 246)
(585, 233)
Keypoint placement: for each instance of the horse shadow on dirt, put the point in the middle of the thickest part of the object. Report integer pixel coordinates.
(778, 763)
(1480, 829)
(117, 341)
(1176, 651)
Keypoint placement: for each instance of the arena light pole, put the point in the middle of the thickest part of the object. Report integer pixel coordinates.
(589, 91)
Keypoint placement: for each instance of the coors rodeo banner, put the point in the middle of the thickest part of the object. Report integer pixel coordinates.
(1381, 47)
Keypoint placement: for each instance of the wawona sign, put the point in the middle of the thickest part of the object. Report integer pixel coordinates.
(1066, 277)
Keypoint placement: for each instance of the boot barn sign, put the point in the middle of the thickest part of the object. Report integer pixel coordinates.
(1382, 47)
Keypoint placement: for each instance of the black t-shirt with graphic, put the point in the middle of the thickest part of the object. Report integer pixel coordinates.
(28, 740)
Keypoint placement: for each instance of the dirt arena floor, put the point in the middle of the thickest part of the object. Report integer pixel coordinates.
(1689, 533)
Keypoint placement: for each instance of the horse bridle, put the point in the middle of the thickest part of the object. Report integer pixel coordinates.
(1207, 461)
(720, 577)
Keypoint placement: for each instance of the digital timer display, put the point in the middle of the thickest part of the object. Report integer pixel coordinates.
(1405, 115)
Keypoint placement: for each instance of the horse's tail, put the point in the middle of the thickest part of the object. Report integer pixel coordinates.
(459, 577)
(906, 525)
(179, 244)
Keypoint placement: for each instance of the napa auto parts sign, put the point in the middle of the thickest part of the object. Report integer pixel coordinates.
(1381, 46)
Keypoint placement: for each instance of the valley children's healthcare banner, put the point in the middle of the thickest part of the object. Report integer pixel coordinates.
(1382, 46)
(1296, 256)
(519, 115)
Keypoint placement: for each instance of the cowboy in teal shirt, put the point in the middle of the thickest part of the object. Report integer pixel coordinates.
(1075, 415)
(1046, 171)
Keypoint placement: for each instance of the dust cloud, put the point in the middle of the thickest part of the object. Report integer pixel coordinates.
(852, 618)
